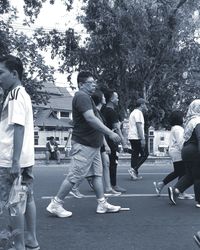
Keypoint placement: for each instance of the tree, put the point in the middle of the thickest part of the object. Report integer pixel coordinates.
(142, 48)
(29, 48)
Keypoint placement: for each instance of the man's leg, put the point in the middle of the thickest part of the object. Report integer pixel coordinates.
(98, 187)
(143, 152)
(82, 158)
(17, 223)
(47, 157)
(58, 156)
(30, 218)
(96, 172)
(113, 167)
(106, 171)
(135, 153)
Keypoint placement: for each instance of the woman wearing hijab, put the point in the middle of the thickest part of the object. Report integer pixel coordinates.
(190, 155)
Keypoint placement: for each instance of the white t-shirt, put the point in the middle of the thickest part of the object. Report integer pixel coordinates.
(17, 109)
(176, 143)
(136, 116)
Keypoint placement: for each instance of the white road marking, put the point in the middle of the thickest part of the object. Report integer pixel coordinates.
(141, 173)
(123, 195)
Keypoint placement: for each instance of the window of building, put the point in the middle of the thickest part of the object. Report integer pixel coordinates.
(36, 137)
(64, 114)
(151, 145)
(48, 138)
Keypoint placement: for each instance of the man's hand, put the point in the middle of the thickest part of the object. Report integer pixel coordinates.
(114, 137)
(107, 149)
(143, 143)
(15, 170)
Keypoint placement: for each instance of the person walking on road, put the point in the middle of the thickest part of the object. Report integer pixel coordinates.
(137, 139)
(113, 122)
(17, 150)
(175, 146)
(87, 139)
(99, 100)
(190, 155)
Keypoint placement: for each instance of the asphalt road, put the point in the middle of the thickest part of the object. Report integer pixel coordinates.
(151, 224)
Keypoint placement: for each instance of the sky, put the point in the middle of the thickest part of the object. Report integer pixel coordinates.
(50, 17)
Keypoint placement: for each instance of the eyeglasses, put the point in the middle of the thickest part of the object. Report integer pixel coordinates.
(92, 82)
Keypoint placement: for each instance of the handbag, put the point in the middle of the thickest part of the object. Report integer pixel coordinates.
(17, 197)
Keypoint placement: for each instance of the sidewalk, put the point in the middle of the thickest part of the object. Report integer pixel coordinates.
(124, 159)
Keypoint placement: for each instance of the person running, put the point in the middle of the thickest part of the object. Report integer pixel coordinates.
(175, 145)
(190, 155)
(137, 139)
(17, 149)
(113, 122)
(87, 139)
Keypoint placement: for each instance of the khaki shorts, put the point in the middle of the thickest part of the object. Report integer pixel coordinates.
(6, 183)
(86, 161)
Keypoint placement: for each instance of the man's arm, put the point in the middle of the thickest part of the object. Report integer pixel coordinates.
(116, 127)
(17, 148)
(141, 133)
(96, 123)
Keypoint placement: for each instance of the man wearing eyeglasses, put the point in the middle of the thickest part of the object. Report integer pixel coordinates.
(87, 138)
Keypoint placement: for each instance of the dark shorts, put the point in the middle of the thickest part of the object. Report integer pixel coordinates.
(53, 155)
(6, 183)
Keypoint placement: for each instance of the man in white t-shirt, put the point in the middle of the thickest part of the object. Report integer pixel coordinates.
(17, 149)
(136, 137)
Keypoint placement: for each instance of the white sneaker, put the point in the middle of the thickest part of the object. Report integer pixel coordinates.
(158, 187)
(76, 193)
(57, 209)
(133, 174)
(104, 207)
(184, 196)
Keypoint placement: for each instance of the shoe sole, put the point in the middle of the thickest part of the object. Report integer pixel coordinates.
(197, 240)
(132, 175)
(184, 198)
(54, 213)
(171, 196)
(111, 195)
(105, 212)
(78, 197)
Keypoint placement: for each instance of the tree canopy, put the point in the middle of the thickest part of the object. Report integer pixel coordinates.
(141, 48)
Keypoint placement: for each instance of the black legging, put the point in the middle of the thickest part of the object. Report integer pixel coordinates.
(192, 176)
(179, 171)
(139, 154)
(113, 156)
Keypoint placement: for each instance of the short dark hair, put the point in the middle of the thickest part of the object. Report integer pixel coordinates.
(108, 93)
(83, 76)
(97, 96)
(176, 118)
(13, 63)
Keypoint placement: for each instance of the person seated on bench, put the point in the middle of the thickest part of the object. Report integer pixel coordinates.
(52, 151)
